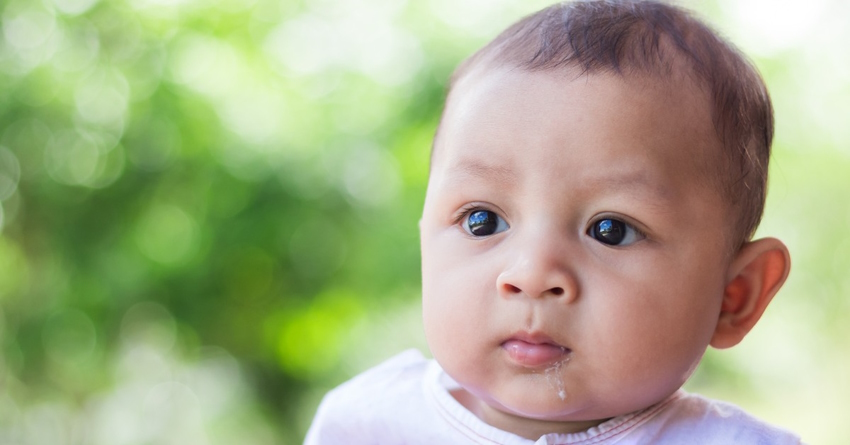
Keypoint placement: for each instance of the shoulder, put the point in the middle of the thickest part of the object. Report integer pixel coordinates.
(374, 403)
(399, 376)
(706, 421)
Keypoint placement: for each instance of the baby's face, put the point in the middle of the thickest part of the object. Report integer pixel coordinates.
(573, 254)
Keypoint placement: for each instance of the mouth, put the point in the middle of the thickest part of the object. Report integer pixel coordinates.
(534, 350)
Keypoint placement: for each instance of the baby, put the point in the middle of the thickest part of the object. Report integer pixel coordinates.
(595, 182)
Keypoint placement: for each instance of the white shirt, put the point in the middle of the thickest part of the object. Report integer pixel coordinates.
(406, 400)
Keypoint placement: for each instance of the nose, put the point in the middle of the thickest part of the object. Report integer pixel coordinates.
(538, 270)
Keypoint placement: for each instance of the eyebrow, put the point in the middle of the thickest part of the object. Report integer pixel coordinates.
(633, 182)
(478, 169)
(629, 179)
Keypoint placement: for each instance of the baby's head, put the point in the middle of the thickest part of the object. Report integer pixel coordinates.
(598, 172)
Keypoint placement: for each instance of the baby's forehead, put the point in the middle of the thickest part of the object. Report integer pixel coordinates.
(662, 97)
(677, 77)
(645, 116)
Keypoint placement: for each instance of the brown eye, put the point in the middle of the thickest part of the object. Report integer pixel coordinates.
(614, 232)
(484, 223)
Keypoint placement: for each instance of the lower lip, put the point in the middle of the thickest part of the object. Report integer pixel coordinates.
(534, 354)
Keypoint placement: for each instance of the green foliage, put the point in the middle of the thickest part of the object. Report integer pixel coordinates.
(183, 175)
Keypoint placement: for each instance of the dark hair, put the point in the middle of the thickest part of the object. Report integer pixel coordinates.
(649, 37)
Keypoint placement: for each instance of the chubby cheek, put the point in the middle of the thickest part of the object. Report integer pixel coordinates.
(454, 302)
(659, 331)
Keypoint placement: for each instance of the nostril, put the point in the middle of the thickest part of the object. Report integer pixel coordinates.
(557, 291)
(512, 289)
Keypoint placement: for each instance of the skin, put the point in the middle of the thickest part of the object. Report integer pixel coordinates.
(551, 154)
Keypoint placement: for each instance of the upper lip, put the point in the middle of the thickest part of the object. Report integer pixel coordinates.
(535, 338)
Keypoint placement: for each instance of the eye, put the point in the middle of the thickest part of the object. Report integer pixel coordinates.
(614, 232)
(483, 223)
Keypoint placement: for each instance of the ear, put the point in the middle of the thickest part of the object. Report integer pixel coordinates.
(755, 275)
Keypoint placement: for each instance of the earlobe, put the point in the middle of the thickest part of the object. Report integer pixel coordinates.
(755, 275)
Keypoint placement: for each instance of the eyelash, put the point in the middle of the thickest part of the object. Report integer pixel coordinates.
(466, 210)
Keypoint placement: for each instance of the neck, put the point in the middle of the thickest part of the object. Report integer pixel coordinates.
(528, 428)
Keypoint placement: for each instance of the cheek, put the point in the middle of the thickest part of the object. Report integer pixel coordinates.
(445, 290)
(452, 295)
(656, 324)
(456, 296)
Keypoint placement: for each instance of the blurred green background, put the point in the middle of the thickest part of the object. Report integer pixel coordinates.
(209, 207)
